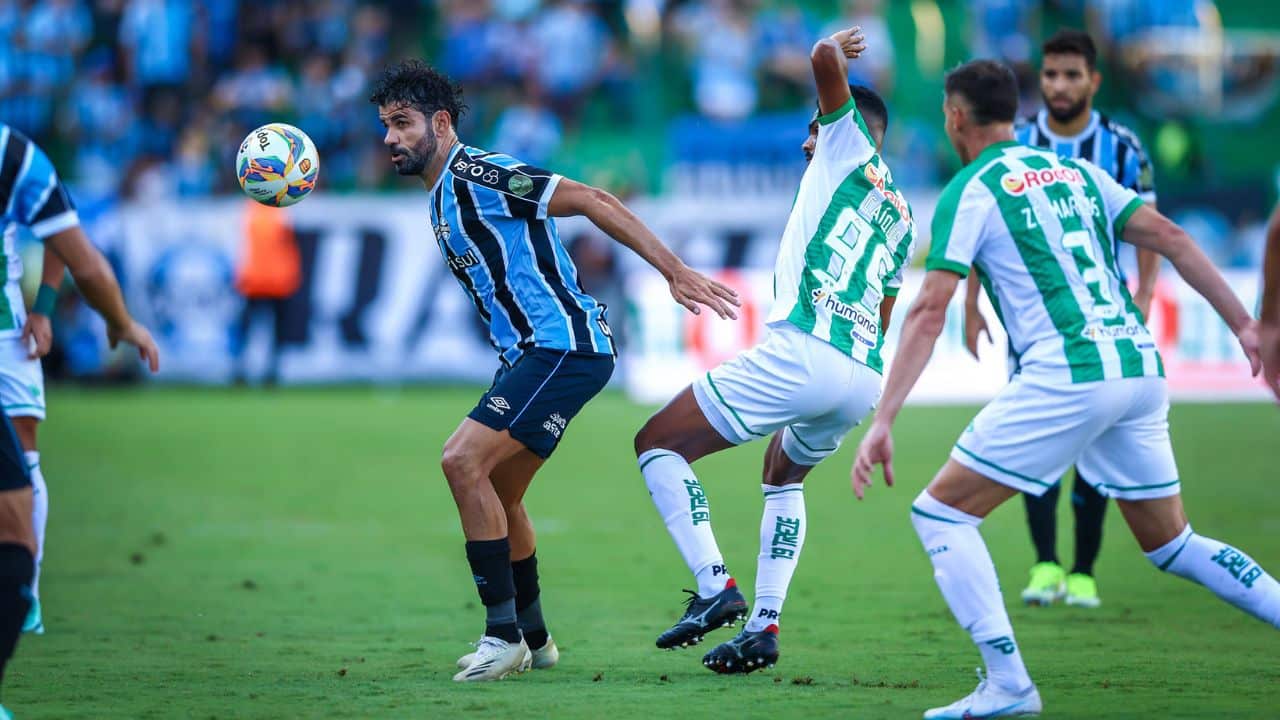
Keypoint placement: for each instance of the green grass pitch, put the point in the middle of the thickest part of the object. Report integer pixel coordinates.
(296, 554)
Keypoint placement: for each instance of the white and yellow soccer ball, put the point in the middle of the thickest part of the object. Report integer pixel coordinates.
(277, 165)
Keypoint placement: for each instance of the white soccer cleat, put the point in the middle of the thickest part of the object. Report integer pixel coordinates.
(544, 657)
(495, 659)
(989, 701)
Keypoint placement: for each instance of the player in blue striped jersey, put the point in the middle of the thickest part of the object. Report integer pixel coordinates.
(32, 195)
(492, 217)
(1070, 126)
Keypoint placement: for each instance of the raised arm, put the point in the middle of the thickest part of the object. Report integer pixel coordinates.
(830, 58)
(688, 287)
(1148, 229)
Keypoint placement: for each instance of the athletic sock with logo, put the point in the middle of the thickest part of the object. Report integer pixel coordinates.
(678, 496)
(963, 570)
(39, 511)
(1229, 573)
(491, 569)
(782, 529)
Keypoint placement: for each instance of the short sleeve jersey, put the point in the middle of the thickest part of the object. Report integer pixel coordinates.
(1041, 229)
(846, 241)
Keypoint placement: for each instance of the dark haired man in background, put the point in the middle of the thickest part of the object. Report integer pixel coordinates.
(1069, 126)
(1041, 230)
(492, 217)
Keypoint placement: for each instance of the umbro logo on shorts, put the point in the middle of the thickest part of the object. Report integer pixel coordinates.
(499, 405)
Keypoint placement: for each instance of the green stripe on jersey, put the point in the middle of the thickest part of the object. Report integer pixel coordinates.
(7, 320)
(1042, 263)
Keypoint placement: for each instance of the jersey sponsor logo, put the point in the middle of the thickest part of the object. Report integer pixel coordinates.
(866, 328)
(461, 262)
(880, 180)
(1017, 183)
(1097, 332)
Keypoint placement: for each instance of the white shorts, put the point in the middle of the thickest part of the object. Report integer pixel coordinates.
(1116, 432)
(21, 380)
(793, 382)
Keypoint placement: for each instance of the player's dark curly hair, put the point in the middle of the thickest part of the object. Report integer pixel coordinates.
(1072, 42)
(420, 86)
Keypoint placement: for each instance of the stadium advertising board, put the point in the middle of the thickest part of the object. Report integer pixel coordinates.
(378, 304)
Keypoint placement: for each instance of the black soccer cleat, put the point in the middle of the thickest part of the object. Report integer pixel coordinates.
(702, 615)
(748, 652)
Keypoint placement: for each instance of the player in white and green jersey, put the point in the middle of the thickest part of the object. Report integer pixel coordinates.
(1040, 230)
(812, 379)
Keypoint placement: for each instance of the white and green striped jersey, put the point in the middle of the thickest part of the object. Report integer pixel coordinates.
(849, 235)
(13, 314)
(1040, 230)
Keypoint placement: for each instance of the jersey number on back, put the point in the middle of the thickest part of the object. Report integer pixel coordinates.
(848, 241)
(1080, 244)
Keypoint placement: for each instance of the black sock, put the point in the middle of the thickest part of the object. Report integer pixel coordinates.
(1091, 509)
(17, 567)
(529, 601)
(491, 569)
(1042, 518)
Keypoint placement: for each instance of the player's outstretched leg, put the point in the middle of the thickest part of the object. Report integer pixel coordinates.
(782, 529)
(967, 578)
(1090, 508)
(1170, 544)
(1048, 580)
(678, 435)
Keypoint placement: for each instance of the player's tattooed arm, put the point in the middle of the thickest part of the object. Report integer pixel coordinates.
(974, 322)
(830, 59)
(1148, 229)
(98, 285)
(690, 288)
(1269, 330)
(920, 332)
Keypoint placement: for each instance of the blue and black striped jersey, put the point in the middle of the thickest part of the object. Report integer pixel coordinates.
(31, 193)
(489, 213)
(1104, 142)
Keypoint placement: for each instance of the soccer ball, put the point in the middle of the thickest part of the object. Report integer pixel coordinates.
(277, 165)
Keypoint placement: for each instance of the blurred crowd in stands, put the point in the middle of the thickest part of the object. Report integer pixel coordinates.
(134, 95)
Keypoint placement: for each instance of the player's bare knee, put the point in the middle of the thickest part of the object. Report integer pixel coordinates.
(652, 437)
(461, 466)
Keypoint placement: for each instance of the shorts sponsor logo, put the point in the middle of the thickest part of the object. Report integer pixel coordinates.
(461, 262)
(498, 405)
(1017, 183)
(555, 425)
(866, 328)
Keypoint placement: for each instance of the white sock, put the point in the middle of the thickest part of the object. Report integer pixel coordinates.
(782, 529)
(39, 512)
(1229, 573)
(683, 506)
(964, 572)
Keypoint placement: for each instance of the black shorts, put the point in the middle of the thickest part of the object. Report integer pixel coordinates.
(13, 465)
(535, 398)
